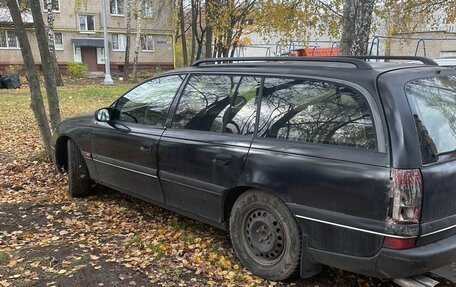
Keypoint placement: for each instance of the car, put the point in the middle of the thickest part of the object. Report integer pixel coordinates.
(304, 161)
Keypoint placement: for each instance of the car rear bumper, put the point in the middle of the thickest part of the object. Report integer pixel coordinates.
(390, 263)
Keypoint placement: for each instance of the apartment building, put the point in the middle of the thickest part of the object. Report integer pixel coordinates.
(78, 28)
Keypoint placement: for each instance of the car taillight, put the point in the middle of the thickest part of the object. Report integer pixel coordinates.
(403, 222)
(406, 192)
(399, 243)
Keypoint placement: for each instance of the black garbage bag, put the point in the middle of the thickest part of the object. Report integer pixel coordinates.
(1, 85)
(10, 81)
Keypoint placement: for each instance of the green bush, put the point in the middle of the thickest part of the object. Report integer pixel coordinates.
(13, 69)
(77, 70)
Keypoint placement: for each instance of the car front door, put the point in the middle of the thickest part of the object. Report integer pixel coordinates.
(203, 152)
(125, 148)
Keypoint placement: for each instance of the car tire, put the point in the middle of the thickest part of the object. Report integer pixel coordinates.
(79, 181)
(265, 235)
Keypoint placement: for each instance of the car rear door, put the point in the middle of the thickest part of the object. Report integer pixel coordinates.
(320, 148)
(125, 148)
(203, 152)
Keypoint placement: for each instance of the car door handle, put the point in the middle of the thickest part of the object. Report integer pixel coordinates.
(146, 148)
(222, 160)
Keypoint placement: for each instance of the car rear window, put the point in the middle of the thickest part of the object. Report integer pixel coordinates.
(435, 115)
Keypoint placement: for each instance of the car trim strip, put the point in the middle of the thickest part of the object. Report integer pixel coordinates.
(124, 168)
(438, 231)
(353, 228)
(190, 186)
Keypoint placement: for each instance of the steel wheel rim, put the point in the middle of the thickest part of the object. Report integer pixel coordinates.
(264, 237)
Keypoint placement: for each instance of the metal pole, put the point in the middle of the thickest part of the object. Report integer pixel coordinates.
(107, 79)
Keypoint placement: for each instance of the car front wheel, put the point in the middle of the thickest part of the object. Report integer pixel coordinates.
(265, 235)
(79, 182)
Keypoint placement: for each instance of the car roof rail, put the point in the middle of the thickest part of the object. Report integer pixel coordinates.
(359, 63)
(424, 60)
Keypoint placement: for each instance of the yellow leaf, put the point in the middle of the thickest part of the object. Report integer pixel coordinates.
(12, 263)
(94, 257)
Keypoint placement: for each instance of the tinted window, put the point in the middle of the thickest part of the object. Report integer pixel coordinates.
(149, 102)
(240, 117)
(435, 101)
(218, 103)
(315, 112)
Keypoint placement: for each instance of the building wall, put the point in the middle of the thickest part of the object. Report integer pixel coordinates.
(443, 47)
(67, 23)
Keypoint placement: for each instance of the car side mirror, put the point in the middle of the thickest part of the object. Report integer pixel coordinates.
(103, 115)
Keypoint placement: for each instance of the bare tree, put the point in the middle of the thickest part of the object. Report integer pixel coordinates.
(47, 63)
(36, 98)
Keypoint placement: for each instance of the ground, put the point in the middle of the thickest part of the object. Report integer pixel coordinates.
(107, 239)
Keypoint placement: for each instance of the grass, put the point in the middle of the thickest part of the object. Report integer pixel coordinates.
(74, 99)
(4, 258)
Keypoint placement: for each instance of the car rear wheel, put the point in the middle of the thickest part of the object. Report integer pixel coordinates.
(265, 235)
(79, 182)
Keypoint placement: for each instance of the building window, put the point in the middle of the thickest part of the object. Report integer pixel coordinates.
(116, 7)
(147, 43)
(86, 23)
(147, 8)
(8, 39)
(58, 41)
(118, 42)
(55, 5)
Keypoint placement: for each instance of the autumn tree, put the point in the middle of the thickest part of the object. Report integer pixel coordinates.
(407, 16)
(218, 23)
(228, 19)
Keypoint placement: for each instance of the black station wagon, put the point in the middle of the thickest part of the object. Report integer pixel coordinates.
(306, 161)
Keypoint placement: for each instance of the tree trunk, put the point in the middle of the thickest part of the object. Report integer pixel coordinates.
(209, 31)
(47, 63)
(356, 25)
(348, 28)
(36, 99)
(128, 40)
(363, 23)
(50, 31)
(208, 52)
(183, 35)
(139, 7)
(194, 29)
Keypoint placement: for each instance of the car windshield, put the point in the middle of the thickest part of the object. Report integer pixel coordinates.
(435, 117)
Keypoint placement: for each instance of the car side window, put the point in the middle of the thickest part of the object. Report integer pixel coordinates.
(241, 116)
(149, 102)
(218, 103)
(315, 112)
